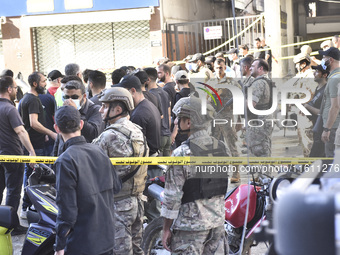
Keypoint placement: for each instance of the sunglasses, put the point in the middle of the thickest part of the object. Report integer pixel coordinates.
(72, 97)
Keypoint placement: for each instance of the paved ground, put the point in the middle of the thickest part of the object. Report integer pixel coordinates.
(287, 146)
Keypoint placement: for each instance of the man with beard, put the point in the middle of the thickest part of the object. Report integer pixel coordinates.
(330, 105)
(164, 75)
(12, 136)
(32, 113)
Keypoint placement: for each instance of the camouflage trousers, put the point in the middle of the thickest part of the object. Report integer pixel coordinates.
(212, 241)
(259, 140)
(129, 214)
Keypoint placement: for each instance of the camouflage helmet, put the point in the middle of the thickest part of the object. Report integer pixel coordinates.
(191, 107)
(301, 56)
(117, 94)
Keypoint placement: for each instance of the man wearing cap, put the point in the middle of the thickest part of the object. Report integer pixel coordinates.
(122, 138)
(313, 106)
(330, 105)
(86, 182)
(182, 81)
(74, 95)
(199, 68)
(54, 78)
(233, 57)
(145, 114)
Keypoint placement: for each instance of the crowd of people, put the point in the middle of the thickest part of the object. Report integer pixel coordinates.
(150, 112)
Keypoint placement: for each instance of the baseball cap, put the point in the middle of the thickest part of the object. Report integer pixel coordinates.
(319, 68)
(181, 75)
(7, 72)
(210, 59)
(232, 50)
(129, 82)
(67, 117)
(187, 58)
(55, 74)
(197, 56)
(331, 52)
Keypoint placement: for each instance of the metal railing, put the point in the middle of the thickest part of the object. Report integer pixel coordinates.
(188, 38)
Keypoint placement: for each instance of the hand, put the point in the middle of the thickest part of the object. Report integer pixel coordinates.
(166, 238)
(32, 153)
(61, 252)
(54, 136)
(46, 138)
(172, 137)
(325, 136)
(70, 103)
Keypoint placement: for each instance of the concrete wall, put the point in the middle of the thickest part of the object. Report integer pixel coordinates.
(17, 46)
(175, 11)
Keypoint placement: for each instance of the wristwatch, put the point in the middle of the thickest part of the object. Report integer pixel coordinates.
(326, 129)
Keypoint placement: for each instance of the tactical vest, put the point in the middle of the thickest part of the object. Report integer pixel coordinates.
(205, 188)
(267, 106)
(134, 181)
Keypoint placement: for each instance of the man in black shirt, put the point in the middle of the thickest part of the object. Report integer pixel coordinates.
(164, 75)
(165, 103)
(155, 99)
(86, 182)
(32, 113)
(96, 83)
(313, 106)
(145, 113)
(12, 136)
(259, 54)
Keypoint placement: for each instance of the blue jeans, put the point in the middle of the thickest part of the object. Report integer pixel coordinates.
(26, 202)
(11, 175)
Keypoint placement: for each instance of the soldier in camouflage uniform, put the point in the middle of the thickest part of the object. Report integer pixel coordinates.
(304, 79)
(259, 138)
(122, 138)
(196, 223)
(226, 132)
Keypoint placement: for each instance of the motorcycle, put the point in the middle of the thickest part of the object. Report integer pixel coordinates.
(8, 221)
(41, 233)
(259, 209)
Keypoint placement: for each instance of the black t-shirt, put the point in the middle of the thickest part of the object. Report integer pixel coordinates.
(95, 100)
(9, 141)
(165, 103)
(269, 52)
(153, 99)
(148, 118)
(170, 89)
(28, 105)
(185, 92)
(316, 102)
(259, 54)
(49, 105)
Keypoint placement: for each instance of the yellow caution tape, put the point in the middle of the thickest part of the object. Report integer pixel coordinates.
(175, 160)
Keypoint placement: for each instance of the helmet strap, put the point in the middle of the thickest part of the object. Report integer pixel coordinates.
(181, 131)
(107, 118)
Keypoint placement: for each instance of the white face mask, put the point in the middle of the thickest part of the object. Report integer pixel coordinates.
(230, 58)
(77, 102)
(188, 66)
(194, 67)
